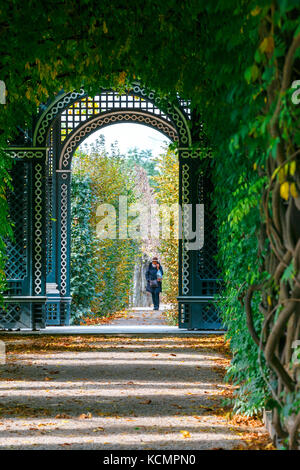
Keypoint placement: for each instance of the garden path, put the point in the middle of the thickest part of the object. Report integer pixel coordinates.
(106, 392)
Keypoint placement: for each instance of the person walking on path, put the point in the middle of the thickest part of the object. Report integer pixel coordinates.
(154, 275)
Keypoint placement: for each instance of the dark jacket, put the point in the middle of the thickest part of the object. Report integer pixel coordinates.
(151, 274)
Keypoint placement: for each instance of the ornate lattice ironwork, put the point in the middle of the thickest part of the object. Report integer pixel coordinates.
(112, 118)
(184, 315)
(207, 266)
(209, 288)
(65, 311)
(14, 288)
(185, 105)
(15, 316)
(49, 203)
(16, 267)
(64, 236)
(185, 253)
(39, 317)
(10, 315)
(26, 153)
(138, 98)
(52, 314)
(87, 107)
(210, 314)
(38, 228)
(48, 116)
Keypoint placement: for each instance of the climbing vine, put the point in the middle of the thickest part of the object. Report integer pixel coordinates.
(259, 238)
(5, 226)
(280, 220)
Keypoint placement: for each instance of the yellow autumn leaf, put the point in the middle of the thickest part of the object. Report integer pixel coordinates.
(267, 45)
(281, 175)
(256, 11)
(293, 190)
(284, 190)
(122, 77)
(292, 167)
(85, 416)
(269, 300)
(185, 434)
(270, 446)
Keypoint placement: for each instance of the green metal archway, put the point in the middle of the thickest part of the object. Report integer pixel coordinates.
(38, 268)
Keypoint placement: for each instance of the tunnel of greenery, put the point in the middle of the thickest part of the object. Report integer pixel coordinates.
(238, 63)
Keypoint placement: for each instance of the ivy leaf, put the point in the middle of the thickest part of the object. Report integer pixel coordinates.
(105, 29)
(285, 190)
(256, 11)
(251, 73)
(267, 45)
(288, 272)
(248, 74)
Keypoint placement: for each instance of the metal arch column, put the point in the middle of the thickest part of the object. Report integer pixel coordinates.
(199, 275)
(25, 269)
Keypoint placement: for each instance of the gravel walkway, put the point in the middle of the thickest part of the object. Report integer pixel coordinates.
(146, 316)
(115, 393)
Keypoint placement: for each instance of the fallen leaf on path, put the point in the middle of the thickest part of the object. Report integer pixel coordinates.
(208, 408)
(85, 416)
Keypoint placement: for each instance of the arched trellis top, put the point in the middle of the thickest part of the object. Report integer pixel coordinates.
(101, 121)
(78, 111)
